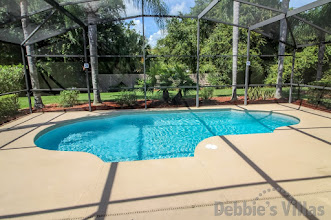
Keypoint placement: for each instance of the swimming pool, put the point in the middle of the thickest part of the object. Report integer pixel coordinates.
(155, 135)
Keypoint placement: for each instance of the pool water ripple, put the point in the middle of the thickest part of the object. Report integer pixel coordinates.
(155, 135)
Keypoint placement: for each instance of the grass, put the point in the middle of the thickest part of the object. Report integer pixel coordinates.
(113, 96)
(83, 98)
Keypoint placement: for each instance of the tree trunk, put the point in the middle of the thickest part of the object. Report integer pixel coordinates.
(93, 41)
(235, 38)
(38, 103)
(321, 51)
(281, 51)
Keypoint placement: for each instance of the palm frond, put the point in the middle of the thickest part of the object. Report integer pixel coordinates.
(154, 7)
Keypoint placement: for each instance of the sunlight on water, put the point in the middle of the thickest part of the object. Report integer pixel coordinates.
(144, 136)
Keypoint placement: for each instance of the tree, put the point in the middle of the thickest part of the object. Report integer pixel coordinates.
(120, 38)
(92, 9)
(38, 103)
(215, 39)
(235, 38)
(220, 42)
(92, 36)
(181, 40)
(321, 51)
(281, 51)
(308, 34)
(318, 16)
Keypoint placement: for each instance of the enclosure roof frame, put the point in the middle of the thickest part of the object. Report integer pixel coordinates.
(284, 14)
(312, 24)
(208, 8)
(38, 27)
(291, 13)
(45, 9)
(66, 13)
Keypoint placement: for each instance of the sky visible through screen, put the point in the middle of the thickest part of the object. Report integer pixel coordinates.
(154, 33)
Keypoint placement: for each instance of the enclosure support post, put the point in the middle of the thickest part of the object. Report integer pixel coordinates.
(144, 53)
(86, 72)
(292, 73)
(26, 79)
(247, 65)
(198, 63)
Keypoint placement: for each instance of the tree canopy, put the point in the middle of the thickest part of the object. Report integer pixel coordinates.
(122, 38)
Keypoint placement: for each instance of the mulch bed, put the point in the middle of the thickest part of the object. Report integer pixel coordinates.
(21, 113)
(109, 105)
(308, 105)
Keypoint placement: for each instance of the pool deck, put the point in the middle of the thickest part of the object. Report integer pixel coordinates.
(295, 160)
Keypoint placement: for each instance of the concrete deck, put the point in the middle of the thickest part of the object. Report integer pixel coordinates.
(295, 160)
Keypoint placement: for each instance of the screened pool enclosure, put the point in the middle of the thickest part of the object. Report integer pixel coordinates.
(105, 46)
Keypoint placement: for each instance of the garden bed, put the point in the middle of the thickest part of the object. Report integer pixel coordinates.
(305, 103)
(140, 104)
(21, 113)
(111, 105)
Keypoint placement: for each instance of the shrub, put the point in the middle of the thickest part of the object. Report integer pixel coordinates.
(68, 98)
(267, 94)
(320, 96)
(207, 93)
(127, 98)
(154, 94)
(8, 106)
(255, 93)
(218, 78)
(11, 78)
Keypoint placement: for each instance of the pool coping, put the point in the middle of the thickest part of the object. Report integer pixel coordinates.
(40, 184)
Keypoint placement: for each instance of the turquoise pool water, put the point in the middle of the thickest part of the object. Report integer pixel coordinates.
(144, 136)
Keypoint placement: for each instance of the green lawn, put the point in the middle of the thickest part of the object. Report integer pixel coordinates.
(112, 96)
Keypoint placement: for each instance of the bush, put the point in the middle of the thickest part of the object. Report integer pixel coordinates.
(207, 93)
(11, 78)
(267, 94)
(68, 98)
(154, 94)
(255, 93)
(320, 96)
(8, 106)
(127, 98)
(218, 78)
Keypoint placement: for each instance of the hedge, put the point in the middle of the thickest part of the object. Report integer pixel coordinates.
(8, 106)
(320, 96)
(11, 78)
(68, 98)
